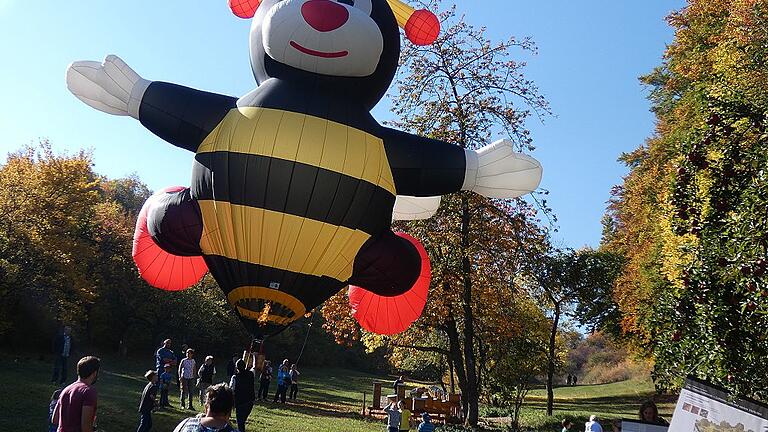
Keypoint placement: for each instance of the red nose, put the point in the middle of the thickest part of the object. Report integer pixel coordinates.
(324, 15)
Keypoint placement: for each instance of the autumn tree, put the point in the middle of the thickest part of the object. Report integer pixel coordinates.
(65, 257)
(467, 90)
(690, 217)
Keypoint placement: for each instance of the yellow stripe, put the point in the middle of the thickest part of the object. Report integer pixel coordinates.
(287, 242)
(305, 139)
(255, 292)
(402, 12)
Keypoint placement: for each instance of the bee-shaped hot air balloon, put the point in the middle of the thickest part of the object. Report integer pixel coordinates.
(295, 185)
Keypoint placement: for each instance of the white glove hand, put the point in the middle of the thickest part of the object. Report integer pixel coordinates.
(415, 208)
(497, 171)
(111, 86)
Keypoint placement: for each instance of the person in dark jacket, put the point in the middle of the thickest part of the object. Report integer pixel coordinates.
(242, 384)
(398, 382)
(265, 378)
(231, 369)
(147, 403)
(62, 348)
(294, 375)
(205, 375)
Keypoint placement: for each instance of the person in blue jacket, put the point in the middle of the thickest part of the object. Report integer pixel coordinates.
(283, 381)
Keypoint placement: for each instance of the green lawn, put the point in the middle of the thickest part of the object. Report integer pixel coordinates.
(330, 400)
(607, 401)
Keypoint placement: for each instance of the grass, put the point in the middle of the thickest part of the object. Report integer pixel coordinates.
(330, 400)
(608, 401)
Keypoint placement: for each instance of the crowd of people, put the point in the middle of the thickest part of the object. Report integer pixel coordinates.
(73, 408)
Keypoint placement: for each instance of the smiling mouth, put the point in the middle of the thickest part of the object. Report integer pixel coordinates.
(319, 53)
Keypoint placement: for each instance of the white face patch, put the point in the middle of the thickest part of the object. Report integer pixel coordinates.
(327, 37)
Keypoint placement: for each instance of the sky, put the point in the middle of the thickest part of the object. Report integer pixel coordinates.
(591, 53)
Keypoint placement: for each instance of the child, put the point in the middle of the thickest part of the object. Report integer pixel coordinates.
(405, 417)
(566, 425)
(51, 408)
(165, 383)
(147, 403)
(426, 423)
(393, 415)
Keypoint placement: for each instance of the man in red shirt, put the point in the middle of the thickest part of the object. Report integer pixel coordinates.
(76, 410)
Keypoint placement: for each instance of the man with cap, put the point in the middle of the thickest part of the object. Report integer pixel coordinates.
(205, 375)
(426, 424)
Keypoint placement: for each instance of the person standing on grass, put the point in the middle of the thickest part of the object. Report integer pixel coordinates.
(242, 384)
(163, 356)
(147, 403)
(405, 417)
(393, 417)
(206, 373)
(283, 381)
(62, 348)
(219, 401)
(164, 383)
(231, 368)
(180, 355)
(294, 375)
(51, 408)
(265, 378)
(426, 424)
(76, 410)
(649, 413)
(187, 375)
(593, 425)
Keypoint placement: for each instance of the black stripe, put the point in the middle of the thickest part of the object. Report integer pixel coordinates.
(310, 290)
(293, 188)
(181, 115)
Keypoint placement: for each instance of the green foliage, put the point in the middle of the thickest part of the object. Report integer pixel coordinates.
(691, 214)
(65, 258)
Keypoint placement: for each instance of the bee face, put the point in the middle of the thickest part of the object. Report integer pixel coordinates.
(326, 37)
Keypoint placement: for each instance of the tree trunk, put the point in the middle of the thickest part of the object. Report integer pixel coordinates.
(472, 391)
(551, 360)
(454, 346)
(450, 375)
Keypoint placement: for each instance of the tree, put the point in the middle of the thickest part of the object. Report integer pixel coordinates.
(568, 281)
(595, 307)
(690, 217)
(465, 89)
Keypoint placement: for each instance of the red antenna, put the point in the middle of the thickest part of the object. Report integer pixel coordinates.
(422, 27)
(245, 9)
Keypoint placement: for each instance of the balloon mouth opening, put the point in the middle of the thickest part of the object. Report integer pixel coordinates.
(266, 306)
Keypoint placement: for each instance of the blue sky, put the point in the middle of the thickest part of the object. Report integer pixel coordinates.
(590, 55)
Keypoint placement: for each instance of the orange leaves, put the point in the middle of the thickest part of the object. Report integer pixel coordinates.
(338, 320)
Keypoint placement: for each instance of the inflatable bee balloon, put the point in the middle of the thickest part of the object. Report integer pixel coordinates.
(295, 185)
